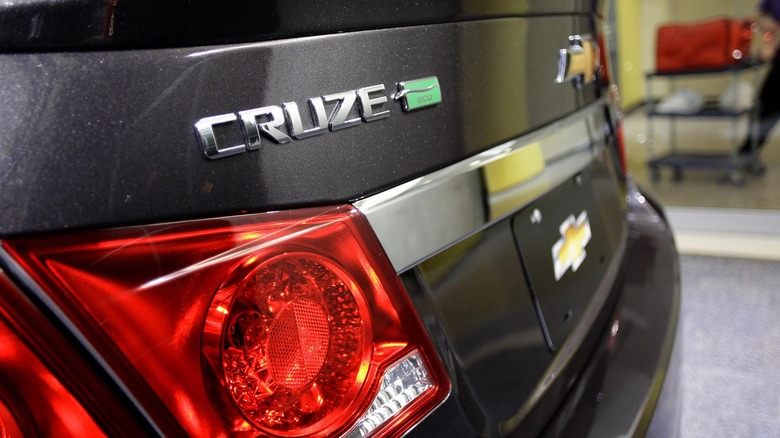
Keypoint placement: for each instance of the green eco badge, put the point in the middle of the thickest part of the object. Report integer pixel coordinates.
(419, 93)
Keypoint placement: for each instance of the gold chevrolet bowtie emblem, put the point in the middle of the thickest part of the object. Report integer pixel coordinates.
(578, 62)
(569, 250)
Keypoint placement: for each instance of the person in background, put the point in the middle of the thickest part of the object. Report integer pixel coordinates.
(769, 97)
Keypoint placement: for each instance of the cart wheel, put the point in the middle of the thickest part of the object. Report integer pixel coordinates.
(756, 168)
(736, 177)
(678, 174)
(655, 173)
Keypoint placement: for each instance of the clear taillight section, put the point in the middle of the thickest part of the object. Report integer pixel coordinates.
(280, 324)
(401, 385)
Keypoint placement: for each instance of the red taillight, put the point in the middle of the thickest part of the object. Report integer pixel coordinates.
(292, 336)
(616, 117)
(33, 402)
(285, 324)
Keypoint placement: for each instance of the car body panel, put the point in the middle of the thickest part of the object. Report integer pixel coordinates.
(95, 24)
(631, 358)
(106, 125)
(107, 138)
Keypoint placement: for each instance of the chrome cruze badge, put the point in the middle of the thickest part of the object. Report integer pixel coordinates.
(266, 121)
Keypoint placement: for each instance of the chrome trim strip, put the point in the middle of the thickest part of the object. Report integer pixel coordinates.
(424, 216)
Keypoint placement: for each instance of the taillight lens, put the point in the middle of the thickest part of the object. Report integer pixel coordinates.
(286, 324)
(33, 402)
(621, 144)
(291, 336)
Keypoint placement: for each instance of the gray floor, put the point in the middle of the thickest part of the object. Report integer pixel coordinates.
(731, 306)
(731, 347)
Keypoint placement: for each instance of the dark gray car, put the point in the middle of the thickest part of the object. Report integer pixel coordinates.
(288, 218)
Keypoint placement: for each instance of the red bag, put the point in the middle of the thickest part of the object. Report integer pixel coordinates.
(702, 45)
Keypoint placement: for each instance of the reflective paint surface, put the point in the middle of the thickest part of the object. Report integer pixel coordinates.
(130, 154)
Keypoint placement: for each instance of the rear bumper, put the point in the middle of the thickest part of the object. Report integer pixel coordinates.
(630, 384)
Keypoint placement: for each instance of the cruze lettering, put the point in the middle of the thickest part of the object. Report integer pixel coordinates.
(274, 118)
(345, 103)
(266, 122)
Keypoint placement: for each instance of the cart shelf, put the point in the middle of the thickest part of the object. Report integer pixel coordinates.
(733, 163)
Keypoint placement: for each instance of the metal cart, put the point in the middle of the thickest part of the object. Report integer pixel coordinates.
(734, 164)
